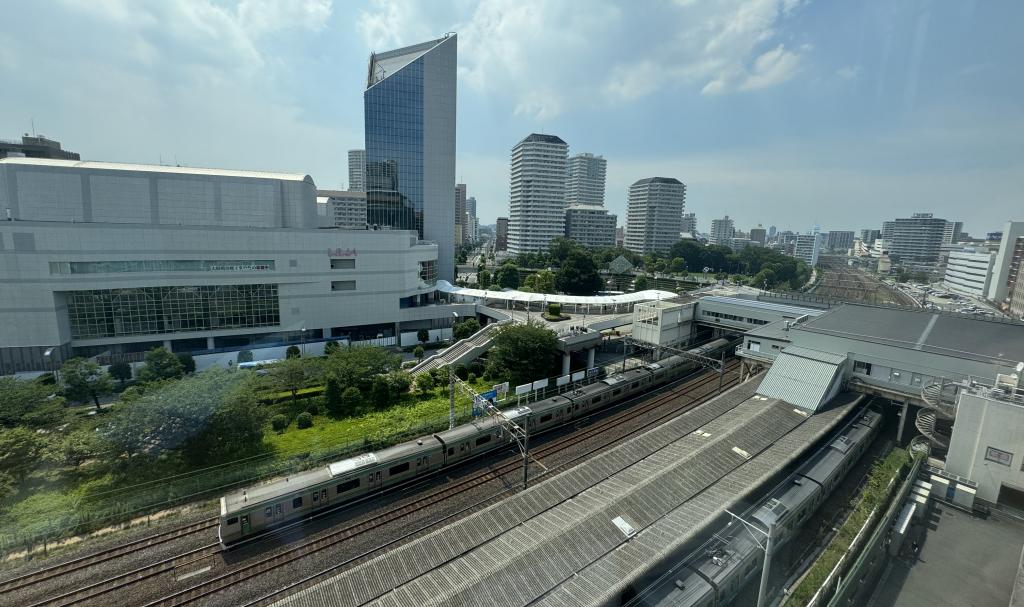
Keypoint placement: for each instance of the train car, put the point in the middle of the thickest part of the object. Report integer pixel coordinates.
(468, 440)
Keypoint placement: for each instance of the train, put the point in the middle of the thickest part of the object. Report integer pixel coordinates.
(717, 575)
(251, 511)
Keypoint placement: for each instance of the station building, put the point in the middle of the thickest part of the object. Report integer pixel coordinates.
(110, 260)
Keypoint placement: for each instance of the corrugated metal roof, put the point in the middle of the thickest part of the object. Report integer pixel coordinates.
(762, 305)
(155, 168)
(801, 376)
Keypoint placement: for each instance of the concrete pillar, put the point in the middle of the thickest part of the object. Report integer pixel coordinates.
(903, 421)
(590, 357)
(167, 345)
(209, 343)
(566, 360)
(398, 334)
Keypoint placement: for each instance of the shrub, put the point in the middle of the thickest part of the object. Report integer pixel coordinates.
(245, 356)
(418, 352)
(462, 372)
(304, 420)
(279, 422)
(351, 397)
(476, 367)
(188, 364)
(313, 409)
(331, 347)
(554, 309)
(334, 397)
(471, 377)
(293, 352)
(423, 335)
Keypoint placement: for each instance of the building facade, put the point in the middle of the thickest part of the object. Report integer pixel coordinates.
(839, 241)
(759, 235)
(501, 234)
(722, 231)
(471, 221)
(114, 259)
(807, 248)
(343, 209)
(537, 193)
(409, 106)
(590, 225)
(689, 224)
(35, 147)
(586, 178)
(916, 241)
(968, 271)
(460, 214)
(1006, 271)
(357, 170)
(654, 214)
(868, 237)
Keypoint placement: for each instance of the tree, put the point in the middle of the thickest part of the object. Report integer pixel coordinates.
(121, 371)
(466, 328)
(358, 366)
(418, 352)
(483, 279)
(333, 398)
(522, 352)
(75, 447)
(28, 403)
(279, 422)
(578, 275)
(542, 282)
(677, 265)
(245, 356)
(425, 382)
(560, 249)
(19, 452)
(84, 380)
(188, 364)
(160, 364)
(291, 374)
(331, 347)
(423, 336)
(351, 397)
(640, 284)
(293, 351)
(304, 420)
(507, 276)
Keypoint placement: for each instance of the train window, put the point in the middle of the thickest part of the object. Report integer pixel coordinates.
(316, 497)
(483, 440)
(348, 485)
(297, 502)
(400, 468)
(279, 508)
(635, 384)
(233, 520)
(617, 392)
(576, 407)
(568, 410)
(451, 450)
(596, 400)
(323, 494)
(545, 418)
(268, 512)
(462, 447)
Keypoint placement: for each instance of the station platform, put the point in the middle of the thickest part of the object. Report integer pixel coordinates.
(581, 538)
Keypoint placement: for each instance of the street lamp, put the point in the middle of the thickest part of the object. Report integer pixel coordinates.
(302, 340)
(49, 361)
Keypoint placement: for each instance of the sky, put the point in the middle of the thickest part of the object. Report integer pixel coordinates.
(791, 113)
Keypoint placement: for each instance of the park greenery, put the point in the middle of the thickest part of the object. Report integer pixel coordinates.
(171, 435)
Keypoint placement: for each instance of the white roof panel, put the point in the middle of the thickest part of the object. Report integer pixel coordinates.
(155, 168)
(649, 295)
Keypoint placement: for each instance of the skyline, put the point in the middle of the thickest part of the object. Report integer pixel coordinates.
(781, 112)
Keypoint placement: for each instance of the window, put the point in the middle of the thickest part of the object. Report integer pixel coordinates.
(343, 285)
(316, 497)
(545, 418)
(483, 440)
(399, 469)
(596, 400)
(451, 450)
(297, 502)
(861, 367)
(348, 485)
(161, 265)
(343, 264)
(233, 520)
(268, 512)
(998, 456)
(754, 346)
(279, 508)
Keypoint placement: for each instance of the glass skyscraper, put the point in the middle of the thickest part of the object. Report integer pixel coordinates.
(409, 105)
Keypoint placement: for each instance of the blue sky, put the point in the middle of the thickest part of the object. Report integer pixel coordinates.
(783, 112)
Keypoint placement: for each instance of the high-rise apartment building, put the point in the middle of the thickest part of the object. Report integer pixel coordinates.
(537, 200)
(35, 147)
(868, 237)
(654, 215)
(916, 241)
(410, 143)
(772, 231)
(1009, 261)
(722, 231)
(585, 183)
(807, 248)
(953, 232)
(460, 214)
(689, 224)
(501, 234)
(357, 170)
(472, 222)
(344, 209)
(590, 225)
(758, 235)
(839, 241)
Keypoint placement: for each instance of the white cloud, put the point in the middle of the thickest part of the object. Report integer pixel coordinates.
(849, 72)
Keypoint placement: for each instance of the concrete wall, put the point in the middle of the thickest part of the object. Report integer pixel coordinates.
(983, 424)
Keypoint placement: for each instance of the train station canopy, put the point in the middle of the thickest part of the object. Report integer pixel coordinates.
(522, 296)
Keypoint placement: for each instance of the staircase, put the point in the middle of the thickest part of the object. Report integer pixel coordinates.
(936, 417)
(926, 423)
(462, 351)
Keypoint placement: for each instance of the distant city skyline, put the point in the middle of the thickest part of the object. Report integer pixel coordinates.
(775, 112)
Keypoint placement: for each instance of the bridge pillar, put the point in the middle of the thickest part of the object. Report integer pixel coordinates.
(590, 357)
(566, 360)
(903, 421)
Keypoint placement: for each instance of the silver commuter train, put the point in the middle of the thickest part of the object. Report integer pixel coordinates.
(715, 578)
(250, 511)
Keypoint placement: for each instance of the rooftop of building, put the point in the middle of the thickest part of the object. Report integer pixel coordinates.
(153, 168)
(922, 330)
(341, 194)
(582, 206)
(539, 138)
(387, 63)
(647, 180)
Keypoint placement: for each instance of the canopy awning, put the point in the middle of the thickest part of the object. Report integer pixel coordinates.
(511, 295)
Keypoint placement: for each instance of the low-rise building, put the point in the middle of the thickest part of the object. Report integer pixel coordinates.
(968, 271)
(344, 209)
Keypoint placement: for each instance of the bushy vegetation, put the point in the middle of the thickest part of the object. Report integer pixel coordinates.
(522, 353)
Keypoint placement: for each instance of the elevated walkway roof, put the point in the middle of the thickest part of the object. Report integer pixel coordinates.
(512, 295)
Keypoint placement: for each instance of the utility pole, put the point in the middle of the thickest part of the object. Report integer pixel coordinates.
(762, 590)
(721, 370)
(451, 397)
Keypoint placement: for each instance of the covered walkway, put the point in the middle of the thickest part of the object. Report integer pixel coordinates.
(594, 304)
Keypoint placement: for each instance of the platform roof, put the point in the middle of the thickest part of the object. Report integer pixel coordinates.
(512, 295)
(939, 333)
(802, 376)
(154, 168)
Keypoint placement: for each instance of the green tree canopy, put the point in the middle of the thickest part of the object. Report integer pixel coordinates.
(331, 347)
(28, 403)
(466, 328)
(20, 449)
(423, 336)
(84, 380)
(578, 274)
(483, 279)
(160, 364)
(522, 352)
(121, 371)
(507, 276)
(640, 284)
(292, 375)
(356, 367)
(188, 364)
(293, 351)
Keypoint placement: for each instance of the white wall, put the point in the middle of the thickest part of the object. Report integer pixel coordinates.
(982, 423)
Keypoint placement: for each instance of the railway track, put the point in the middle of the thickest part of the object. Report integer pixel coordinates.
(192, 595)
(102, 590)
(842, 282)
